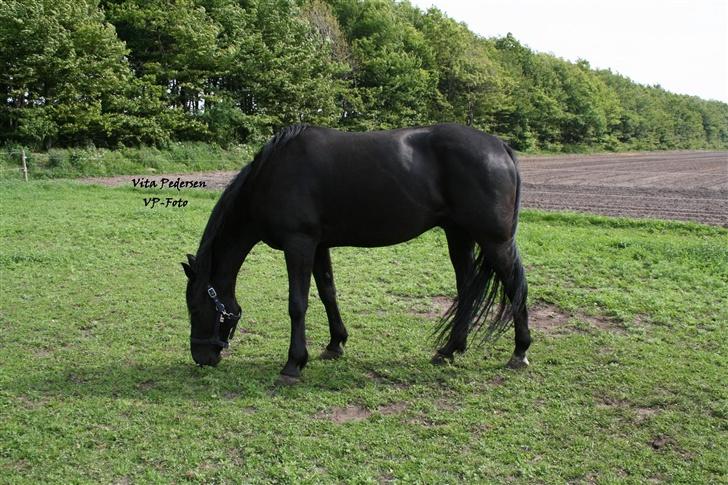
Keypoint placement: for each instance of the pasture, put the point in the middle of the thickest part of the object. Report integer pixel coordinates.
(626, 384)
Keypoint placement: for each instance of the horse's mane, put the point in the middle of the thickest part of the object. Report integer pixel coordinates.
(226, 203)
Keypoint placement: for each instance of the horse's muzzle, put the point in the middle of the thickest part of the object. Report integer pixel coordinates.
(206, 354)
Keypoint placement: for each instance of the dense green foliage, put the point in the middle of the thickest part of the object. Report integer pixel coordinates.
(129, 72)
(97, 384)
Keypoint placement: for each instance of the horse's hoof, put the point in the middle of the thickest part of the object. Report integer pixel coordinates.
(517, 362)
(441, 359)
(330, 354)
(284, 380)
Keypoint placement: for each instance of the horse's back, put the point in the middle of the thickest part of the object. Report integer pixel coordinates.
(355, 189)
(385, 187)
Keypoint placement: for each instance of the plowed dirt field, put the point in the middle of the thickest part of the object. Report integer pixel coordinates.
(689, 186)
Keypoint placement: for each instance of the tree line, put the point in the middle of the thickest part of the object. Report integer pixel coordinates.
(111, 73)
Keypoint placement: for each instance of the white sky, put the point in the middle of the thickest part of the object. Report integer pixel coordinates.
(682, 45)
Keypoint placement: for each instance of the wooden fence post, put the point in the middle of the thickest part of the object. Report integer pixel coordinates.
(25, 166)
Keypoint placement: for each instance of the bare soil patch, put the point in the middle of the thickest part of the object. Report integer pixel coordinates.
(440, 304)
(497, 381)
(550, 318)
(393, 408)
(434, 309)
(346, 414)
(146, 385)
(386, 381)
(386, 479)
(661, 441)
(444, 404)
(546, 317)
(641, 413)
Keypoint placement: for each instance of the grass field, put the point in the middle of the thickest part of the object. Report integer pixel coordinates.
(97, 384)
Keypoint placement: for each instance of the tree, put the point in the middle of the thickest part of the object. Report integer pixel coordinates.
(109, 72)
(233, 72)
(64, 74)
(471, 83)
(391, 85)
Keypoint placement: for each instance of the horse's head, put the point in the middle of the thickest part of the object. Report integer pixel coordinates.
(212, 320)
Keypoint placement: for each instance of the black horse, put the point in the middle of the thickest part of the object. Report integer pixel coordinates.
(311, 188)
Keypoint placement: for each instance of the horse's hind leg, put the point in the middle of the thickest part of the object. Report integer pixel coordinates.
(507, 264)
(324, 276)
(460, 247)
(299, 253)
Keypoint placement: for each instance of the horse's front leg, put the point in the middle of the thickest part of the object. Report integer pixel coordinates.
(324, 276)
(299, 253)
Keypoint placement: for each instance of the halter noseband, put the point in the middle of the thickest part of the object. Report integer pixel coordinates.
(222, 316)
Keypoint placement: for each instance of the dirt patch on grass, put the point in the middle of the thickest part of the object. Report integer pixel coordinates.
(386, 479)
(421, 420)
(440, 304)
(611, 402)
(661, 441)
(641, 413)
(42, 352)
(497, 381)
(547, 317)
(393, 408)
(386, 381)
(346, 414)
(75, 378)
(146, 385)
(32, 403)
(445, 404)
(552, 319)
(432, 310)
(603, 323)
(543, 316)
(482, 428)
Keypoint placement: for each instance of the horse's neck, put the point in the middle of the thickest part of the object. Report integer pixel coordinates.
(224, 264)
(227, 254)
(231, 239)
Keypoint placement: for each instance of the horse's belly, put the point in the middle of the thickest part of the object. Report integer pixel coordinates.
(378, 223)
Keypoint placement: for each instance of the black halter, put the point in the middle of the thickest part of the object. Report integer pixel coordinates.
(222, 317)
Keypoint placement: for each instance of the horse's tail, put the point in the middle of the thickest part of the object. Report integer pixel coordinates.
(483, 307)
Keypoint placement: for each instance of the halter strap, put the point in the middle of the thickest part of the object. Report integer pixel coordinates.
(222, 316)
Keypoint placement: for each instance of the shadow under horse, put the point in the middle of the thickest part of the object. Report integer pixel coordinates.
(312, 188)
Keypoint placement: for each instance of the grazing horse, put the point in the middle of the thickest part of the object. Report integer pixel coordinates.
(311, 188)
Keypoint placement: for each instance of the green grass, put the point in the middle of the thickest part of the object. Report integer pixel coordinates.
(97, 384)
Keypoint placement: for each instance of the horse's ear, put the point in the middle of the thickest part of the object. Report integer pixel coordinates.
(191, 259)
(188, 270)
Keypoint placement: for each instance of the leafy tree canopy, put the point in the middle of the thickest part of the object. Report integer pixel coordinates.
(133, 72)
